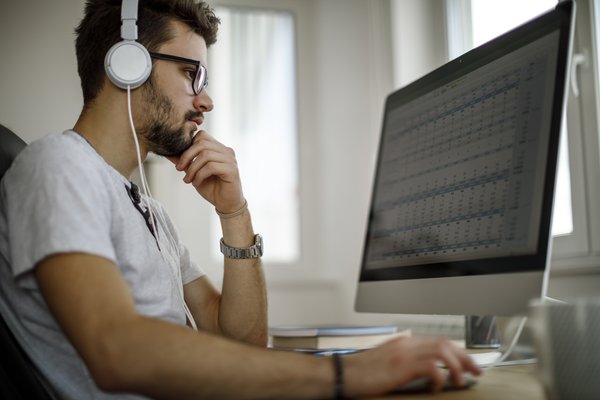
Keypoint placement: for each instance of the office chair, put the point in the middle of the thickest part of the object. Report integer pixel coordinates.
(19, 378)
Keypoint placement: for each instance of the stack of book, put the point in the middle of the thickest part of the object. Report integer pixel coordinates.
(332, 337)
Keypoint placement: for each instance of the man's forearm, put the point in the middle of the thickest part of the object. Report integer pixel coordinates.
(162, 360)
(243, 306)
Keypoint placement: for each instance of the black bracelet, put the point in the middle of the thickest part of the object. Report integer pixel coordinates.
(339, 376)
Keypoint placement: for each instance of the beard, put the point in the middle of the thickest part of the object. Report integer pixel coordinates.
(161, 136)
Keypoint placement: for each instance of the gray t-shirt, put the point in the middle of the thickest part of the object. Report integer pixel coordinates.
(61, 196)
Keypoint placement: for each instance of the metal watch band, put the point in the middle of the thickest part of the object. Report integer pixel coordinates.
(254, 251)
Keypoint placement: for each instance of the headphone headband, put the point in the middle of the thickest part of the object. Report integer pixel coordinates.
(129, 10)
(127, 63)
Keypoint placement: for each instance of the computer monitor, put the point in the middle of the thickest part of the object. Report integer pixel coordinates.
(461, 206)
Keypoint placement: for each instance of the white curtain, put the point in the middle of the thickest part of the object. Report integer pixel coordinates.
(252, 81)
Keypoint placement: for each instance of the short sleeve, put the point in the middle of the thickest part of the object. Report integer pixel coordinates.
(190, 271)
(55, 203)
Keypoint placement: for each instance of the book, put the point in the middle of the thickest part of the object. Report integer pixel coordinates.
(332, 337)
(303, 331)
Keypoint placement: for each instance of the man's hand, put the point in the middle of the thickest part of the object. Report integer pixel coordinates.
(212, 169)
(403, 359)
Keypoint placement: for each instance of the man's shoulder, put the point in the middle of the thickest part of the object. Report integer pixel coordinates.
(51, 146)
(55, 153)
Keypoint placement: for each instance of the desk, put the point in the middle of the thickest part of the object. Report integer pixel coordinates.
(500, 383)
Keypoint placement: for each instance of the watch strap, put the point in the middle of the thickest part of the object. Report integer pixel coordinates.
(241, 253)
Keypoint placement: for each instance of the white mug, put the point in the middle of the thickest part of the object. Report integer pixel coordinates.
(567, 338)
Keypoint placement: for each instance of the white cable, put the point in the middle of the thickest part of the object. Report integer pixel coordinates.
(512, 345)
(140, 165)
(504, 355)
(519, 331)
(146, 190)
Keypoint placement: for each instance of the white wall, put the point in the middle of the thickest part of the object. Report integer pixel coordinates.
(38, 75)
(419, 38)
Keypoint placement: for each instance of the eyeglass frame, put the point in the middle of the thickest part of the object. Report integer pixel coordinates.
(201, 72)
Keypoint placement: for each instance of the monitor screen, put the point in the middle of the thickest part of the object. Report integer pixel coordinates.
(462, 199)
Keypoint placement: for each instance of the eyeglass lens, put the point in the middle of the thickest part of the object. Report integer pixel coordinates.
(201, 80)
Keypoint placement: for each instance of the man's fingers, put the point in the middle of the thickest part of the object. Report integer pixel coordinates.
(203, 158)
(201, 141)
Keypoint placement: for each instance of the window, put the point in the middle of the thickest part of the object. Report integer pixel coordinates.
(253, 86)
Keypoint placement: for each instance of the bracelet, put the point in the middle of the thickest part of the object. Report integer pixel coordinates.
(233, 214)
(339, 376)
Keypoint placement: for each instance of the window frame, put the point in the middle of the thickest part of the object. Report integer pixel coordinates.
(580, 250)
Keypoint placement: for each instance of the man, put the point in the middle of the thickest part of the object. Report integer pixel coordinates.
(99, 283)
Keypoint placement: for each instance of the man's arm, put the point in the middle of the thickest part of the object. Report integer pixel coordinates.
(240, 311)
(244, 299)
(128, 352)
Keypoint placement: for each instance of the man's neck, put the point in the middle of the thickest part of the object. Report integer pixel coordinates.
(108, 131)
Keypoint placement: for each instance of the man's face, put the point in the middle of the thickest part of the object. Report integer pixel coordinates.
(170, 112)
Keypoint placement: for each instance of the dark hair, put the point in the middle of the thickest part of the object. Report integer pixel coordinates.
(100, 29)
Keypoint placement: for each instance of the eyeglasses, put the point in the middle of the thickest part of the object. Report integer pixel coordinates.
(200, 75)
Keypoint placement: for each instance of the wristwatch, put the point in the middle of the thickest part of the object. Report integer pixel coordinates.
(254, 251)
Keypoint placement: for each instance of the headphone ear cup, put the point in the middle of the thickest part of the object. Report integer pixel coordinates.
(128, 63)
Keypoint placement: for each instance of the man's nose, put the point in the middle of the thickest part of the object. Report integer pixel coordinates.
(203, 101)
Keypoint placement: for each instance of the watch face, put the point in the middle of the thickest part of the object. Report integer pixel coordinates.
(259, 245)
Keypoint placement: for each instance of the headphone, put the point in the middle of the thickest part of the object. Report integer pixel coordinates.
(128, 63)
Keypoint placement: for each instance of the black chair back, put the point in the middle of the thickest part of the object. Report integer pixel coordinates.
(18, 375)
(10, 146)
